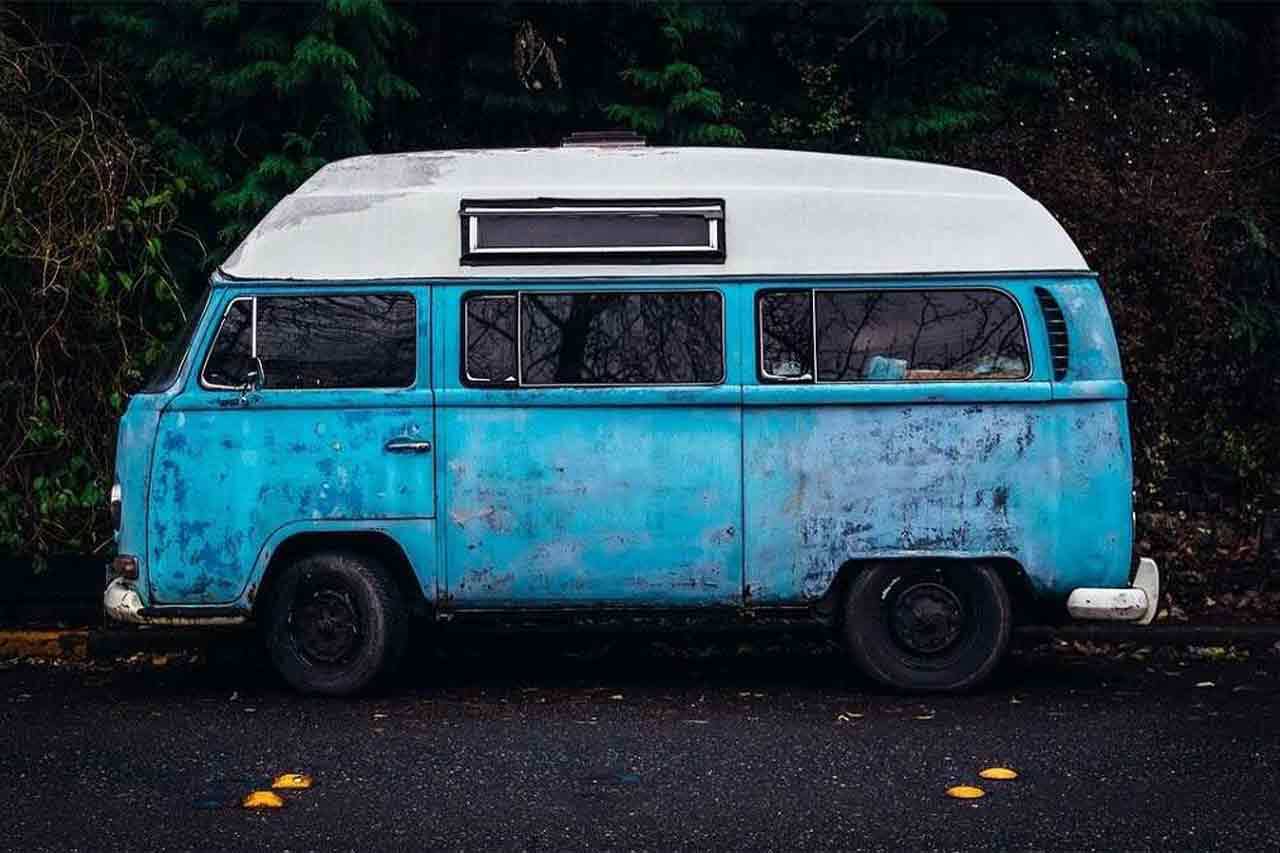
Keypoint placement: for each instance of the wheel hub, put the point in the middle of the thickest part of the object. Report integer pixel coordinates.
(927, 617)
(326, 626)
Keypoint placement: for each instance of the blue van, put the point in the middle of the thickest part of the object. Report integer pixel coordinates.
(883, 395)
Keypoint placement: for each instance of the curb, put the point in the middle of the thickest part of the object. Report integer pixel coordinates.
(82, 644)
(72, 644)
(1157, 635)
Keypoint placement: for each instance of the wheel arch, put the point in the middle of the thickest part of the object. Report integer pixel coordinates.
(1026, 605)
(378, 544)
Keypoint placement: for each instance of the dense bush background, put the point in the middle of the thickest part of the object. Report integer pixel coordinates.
(138, 144)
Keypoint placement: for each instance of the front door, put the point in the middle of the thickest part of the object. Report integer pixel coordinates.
(339, 428)
(592, 450)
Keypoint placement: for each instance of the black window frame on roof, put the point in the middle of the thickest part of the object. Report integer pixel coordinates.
(702, 218)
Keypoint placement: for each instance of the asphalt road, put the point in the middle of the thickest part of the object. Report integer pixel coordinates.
(528, 743)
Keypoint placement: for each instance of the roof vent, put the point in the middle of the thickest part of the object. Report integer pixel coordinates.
(1056, 327)
(603, 139)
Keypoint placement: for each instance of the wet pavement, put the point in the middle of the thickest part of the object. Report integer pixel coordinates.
(628, 743)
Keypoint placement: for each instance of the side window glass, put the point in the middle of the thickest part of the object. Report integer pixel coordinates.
(786, 336)
(231, 356)
(490, 339)
(914, 335)
(672, 338)
(341, 341)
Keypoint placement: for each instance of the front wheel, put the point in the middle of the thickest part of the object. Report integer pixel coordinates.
(938, 627)
(335, 622)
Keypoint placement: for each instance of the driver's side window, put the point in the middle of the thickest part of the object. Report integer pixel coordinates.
(315, 341)
(231, 356)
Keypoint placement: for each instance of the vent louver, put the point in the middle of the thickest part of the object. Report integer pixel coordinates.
(1055, 325)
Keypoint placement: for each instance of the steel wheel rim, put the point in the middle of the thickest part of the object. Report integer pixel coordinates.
(927, 618)
(325, 625)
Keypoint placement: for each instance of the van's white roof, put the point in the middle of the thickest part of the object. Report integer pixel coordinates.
(394, 216)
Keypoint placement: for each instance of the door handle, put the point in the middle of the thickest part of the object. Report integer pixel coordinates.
(407, 445)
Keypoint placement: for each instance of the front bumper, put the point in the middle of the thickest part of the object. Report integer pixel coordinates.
(1136, 603)
(123, 604)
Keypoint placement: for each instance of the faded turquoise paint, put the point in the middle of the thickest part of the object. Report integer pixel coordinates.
(415, 536)
(959, 469)
(227, 474)
(1094, 354)
(135, 440)
(644, 497)
(1042, 484)
(603, 496)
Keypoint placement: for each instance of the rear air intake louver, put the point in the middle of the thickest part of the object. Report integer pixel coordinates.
(1056, 327)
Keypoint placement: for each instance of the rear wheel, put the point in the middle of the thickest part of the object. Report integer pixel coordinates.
(335, 622)
(934, 627)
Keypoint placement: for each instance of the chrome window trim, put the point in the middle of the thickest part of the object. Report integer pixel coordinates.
(815, 380)
(520, 383)
(253, 343)
(809, 377)
(222, 321)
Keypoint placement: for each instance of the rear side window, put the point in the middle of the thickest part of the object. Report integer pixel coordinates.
(300, 342)
(603, 338)
(891, 335)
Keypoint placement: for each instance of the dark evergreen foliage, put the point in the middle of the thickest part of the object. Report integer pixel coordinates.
(1151, 129)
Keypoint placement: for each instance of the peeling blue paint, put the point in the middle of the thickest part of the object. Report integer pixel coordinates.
(641, 496)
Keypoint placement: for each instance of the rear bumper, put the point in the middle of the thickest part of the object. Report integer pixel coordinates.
(1136, 603)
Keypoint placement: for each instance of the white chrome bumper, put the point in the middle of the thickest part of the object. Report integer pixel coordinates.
(1136, 603)
(122, 602)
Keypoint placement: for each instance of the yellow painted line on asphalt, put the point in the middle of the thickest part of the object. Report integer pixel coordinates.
(62, 644)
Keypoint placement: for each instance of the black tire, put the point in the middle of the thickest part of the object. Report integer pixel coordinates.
(932, 628)
(335, 623)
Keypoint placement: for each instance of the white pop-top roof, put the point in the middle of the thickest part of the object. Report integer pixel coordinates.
(786, 213)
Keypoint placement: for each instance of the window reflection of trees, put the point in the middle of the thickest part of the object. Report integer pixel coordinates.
(232, 352)
(491, 339)
(787, 334)
(621, 338)
(940, 334)
(347, 341)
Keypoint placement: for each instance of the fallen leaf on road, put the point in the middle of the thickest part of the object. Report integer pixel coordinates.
(262, 800)
(1002, 773)
(291, 781)
(965, 792)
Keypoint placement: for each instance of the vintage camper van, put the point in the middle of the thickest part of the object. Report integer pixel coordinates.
(885, 395)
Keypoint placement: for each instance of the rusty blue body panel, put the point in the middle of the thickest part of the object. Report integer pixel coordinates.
(741, 493)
